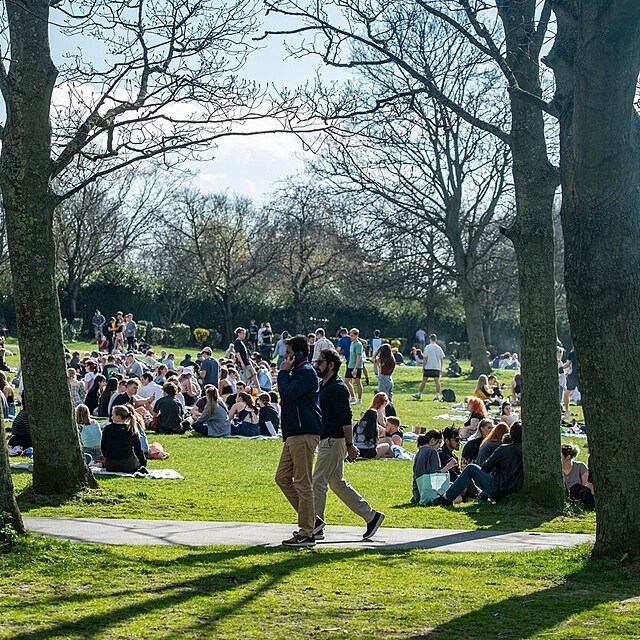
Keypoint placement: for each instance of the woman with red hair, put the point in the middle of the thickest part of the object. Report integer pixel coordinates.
(477, 411)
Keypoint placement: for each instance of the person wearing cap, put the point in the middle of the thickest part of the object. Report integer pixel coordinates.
(209, 369)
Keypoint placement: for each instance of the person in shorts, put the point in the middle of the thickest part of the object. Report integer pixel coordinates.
(243, 359)
(433, 366)
(355, 365)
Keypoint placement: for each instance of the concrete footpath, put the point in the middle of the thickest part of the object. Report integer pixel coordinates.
(199, 533)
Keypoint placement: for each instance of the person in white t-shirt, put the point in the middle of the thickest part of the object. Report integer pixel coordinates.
(421, 338)
(433, 366)
(321, 343)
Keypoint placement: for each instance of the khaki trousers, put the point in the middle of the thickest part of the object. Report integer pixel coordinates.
(293, 476)
(329, 470)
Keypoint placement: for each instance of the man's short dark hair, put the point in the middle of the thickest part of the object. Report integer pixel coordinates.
(516, 432)
(299, 343)
(147, 376)
(376, 333)
(450, 432)
(332, 356)
(433, 337)
(131, 381)
(170, 388)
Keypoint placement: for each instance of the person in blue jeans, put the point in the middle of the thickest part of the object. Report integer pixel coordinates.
(500, 476)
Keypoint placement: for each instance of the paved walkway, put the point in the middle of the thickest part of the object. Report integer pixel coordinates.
(170, 532)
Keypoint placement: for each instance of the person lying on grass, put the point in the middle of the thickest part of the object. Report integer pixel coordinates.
(500, 476)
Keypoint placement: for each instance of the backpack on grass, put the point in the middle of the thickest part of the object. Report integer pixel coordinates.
(448, 395)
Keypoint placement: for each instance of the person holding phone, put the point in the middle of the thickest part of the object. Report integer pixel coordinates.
(301, 424)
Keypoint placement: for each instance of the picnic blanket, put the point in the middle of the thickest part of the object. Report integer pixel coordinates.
(154, 474)
(449, 416)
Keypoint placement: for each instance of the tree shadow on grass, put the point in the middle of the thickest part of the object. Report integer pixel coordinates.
(514, 514)
(523, 616)
(250, 581)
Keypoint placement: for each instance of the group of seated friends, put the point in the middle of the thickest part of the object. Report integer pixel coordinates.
(117, 400)
(490, 467)
(155, 394)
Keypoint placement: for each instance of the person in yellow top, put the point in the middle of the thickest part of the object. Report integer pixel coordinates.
(483, 390)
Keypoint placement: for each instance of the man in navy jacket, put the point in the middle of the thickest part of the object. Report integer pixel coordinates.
(301, 424)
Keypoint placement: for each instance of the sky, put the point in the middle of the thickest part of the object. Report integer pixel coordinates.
(251, 165)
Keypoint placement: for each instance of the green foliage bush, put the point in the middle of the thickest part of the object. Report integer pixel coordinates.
(68, 331)
(143, 329)
(180, 334)
(159, 336)
(77, 325)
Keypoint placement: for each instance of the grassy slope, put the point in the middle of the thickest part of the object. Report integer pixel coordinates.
(60, 590)
(232, 480)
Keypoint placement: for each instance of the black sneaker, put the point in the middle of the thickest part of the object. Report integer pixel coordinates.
(373, 526)
(318, 529)
(440, 501)
(300, 541)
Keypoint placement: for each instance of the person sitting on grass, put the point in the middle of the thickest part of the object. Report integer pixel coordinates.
(477, 411)
(78, 393)
(507, 415)
(169, 411)
(472, 448)
(483, 390)
(494, 385)
(213, 422)
(243, 416)
(268, 418)
(90, 432)
(427, 459)
(516, 389)
(393, 433)
(500, 476)
(496, 437)
(450, 444)
(121, 443)
(20, 429)
(576, 476)
(366, 430)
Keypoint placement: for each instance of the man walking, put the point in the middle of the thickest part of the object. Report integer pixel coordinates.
(336, 444)
(130, 328)
(433, 366)
(301, 425)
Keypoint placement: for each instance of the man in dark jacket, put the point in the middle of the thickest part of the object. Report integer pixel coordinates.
(336, 444)
(301, 424)
(500, 476)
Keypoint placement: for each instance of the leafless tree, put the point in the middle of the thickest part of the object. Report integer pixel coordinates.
(161, 82)
(507, 37)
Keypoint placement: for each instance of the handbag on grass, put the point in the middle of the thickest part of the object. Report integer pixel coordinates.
(432, 485)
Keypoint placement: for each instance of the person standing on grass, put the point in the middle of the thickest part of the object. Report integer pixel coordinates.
(209, 369)
(301, 424)
(433, 366)
(321, 343)
(130, 328)
(355, 365)
(98, 321)
(336, 444)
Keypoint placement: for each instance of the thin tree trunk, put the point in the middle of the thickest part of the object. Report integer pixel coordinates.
(596, 61)
(535, 181)
(25, 168)
(73, 290)
(298, 307)
(475, 334)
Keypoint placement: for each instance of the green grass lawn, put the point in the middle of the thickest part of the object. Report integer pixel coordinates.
(51, 589)
(232, 480)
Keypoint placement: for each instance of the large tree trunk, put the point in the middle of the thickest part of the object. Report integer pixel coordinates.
(535, 181)
(596, 60)
(9, 512)
(25, 170)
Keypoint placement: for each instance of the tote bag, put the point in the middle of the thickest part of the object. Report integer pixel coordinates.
(432, 485)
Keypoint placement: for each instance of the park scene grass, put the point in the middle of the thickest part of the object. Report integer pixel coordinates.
(56, 589)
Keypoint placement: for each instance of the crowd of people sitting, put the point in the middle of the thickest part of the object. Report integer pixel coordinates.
(122, 394)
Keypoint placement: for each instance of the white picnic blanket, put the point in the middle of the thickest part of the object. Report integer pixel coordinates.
(154, 474)
(449, 416)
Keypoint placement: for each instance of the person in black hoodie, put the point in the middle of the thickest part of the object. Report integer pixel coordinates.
(268, 417)
(301, 424)
(500, 476)
(121, 442)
